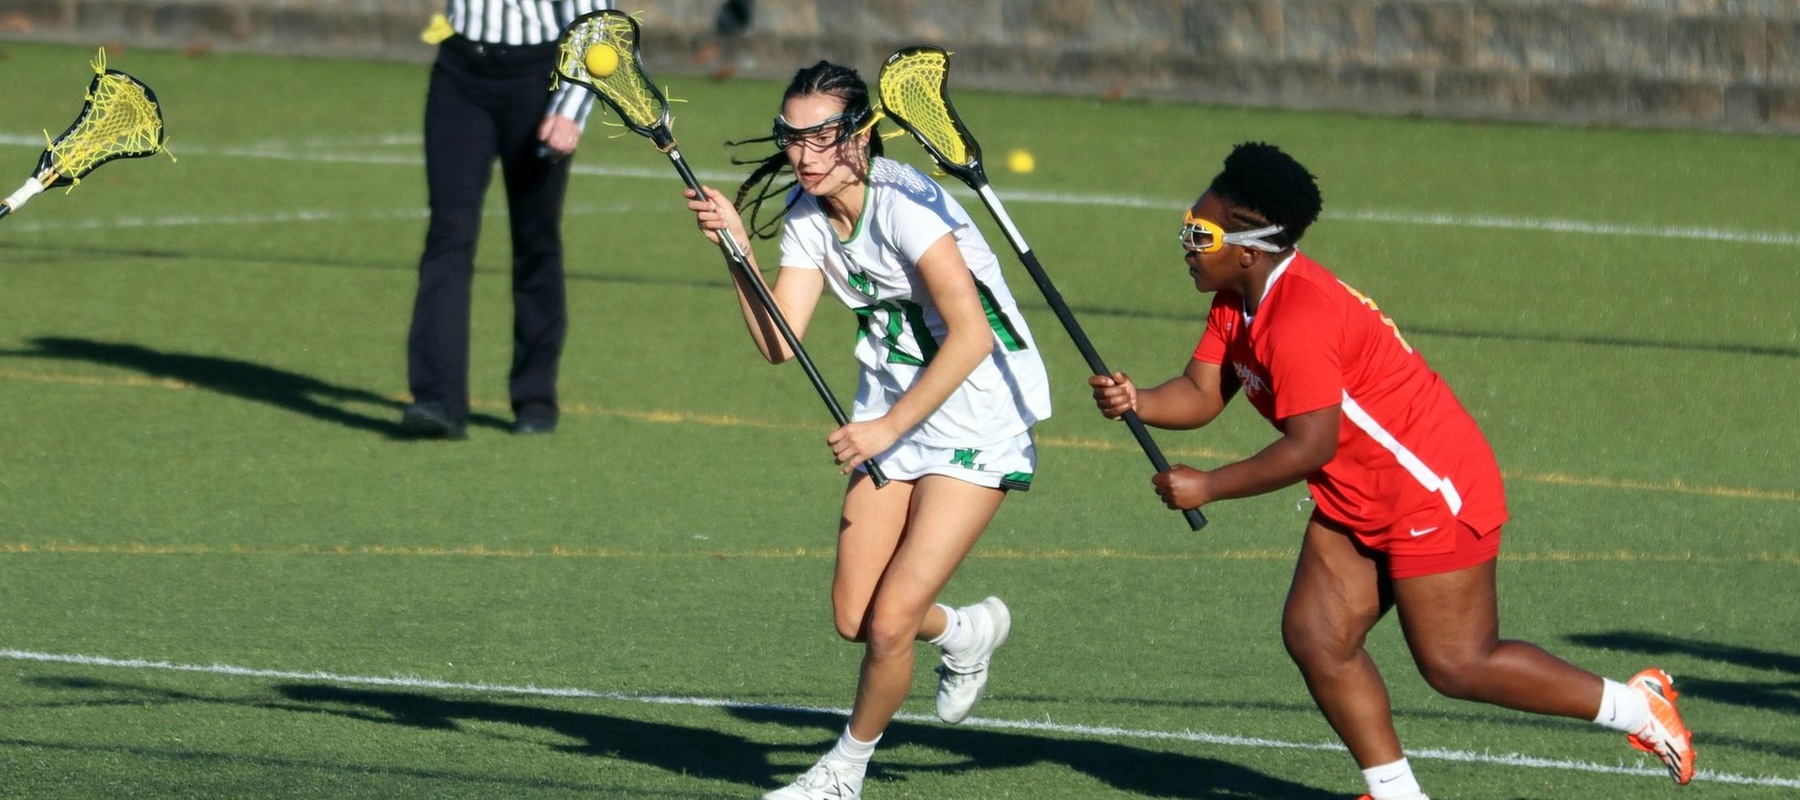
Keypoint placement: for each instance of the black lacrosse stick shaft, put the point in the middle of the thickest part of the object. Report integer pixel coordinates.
(1195, 519)
(741, 263)
(967, 167)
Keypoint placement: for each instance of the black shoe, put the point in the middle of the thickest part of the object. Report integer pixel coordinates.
(529, 427)
(431, 421)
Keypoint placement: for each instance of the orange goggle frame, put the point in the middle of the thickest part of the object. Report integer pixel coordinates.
(1200, 235)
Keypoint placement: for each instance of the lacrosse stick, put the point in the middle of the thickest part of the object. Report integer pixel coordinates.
(120, 119)
(599, 51)
(911, 86)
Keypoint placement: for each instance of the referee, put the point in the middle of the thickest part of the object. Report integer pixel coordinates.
(489, 99)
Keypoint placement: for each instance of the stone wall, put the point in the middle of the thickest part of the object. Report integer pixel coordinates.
(1726, 64)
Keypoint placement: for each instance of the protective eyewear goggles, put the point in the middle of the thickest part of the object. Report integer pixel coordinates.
(827, 134)
(1200, 235)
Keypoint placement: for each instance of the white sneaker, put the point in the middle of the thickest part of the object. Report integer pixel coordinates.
(962, 677)
(830, 779)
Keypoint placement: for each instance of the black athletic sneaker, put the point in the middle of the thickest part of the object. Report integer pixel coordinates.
(431, 421)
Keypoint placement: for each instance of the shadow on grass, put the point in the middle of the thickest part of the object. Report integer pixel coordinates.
(73, 786)
(712, 754)
(684, 750)
(674, 748)
(1775, 695)
(1657, 644)
(288, 391)
(72, 251)
(129, 696)
(1127, 769)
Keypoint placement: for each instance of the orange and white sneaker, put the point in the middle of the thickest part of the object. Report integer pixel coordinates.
(1419, 796)
(1665, 734)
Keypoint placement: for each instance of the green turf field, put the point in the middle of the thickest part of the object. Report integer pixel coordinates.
(222, 576)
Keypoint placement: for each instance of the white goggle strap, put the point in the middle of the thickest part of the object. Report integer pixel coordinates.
(1253, 239)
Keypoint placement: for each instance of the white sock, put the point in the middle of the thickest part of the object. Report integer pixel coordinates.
(1392, 781)
(851, 750)
(1621, 708)
(958, 634)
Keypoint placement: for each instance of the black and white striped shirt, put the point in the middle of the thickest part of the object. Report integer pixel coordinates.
(517, 21)
(525, 22)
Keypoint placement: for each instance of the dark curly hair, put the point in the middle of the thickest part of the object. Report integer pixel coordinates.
(1265, 186)
(824, 78)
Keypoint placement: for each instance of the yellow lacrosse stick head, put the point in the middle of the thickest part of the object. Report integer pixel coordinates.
(911, 86)
(121, 119)
(599, 51)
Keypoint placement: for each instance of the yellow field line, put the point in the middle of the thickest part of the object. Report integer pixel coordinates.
(1677, 485)
(1673, 486)
(95, 380)
(826, 553)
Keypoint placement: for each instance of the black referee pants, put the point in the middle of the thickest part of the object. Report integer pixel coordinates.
(486, 102)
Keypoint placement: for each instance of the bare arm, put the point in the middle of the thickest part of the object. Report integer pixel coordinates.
(1308, 442)
(952, 288)
(1187, 401)
(1195, 398)
(796, 291)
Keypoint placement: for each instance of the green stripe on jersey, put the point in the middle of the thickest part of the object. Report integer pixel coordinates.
(997, 319)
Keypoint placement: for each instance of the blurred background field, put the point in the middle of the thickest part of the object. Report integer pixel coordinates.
(202, 365)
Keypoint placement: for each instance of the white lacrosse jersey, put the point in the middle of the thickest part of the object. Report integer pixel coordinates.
(875, 273)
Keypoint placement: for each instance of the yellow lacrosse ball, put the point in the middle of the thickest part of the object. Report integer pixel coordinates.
(1020, 161)
(601, 60)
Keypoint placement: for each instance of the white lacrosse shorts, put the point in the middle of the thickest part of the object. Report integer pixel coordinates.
(1007, 464)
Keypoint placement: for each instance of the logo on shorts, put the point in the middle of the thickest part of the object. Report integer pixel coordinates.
(965, 457)
(1416, 532)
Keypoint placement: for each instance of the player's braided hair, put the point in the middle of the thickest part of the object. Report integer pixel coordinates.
(1263, 185)
(824, 78)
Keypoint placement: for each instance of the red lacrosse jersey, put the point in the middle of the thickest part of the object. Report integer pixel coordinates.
(1406, 447)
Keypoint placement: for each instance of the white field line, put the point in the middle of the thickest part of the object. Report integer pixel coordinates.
(331, 151)
(1225, 740)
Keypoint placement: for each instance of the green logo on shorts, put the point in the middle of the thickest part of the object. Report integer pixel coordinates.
(965, 457)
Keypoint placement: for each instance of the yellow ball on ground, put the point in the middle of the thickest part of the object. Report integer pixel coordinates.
(601, 61)
(1020, 161)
